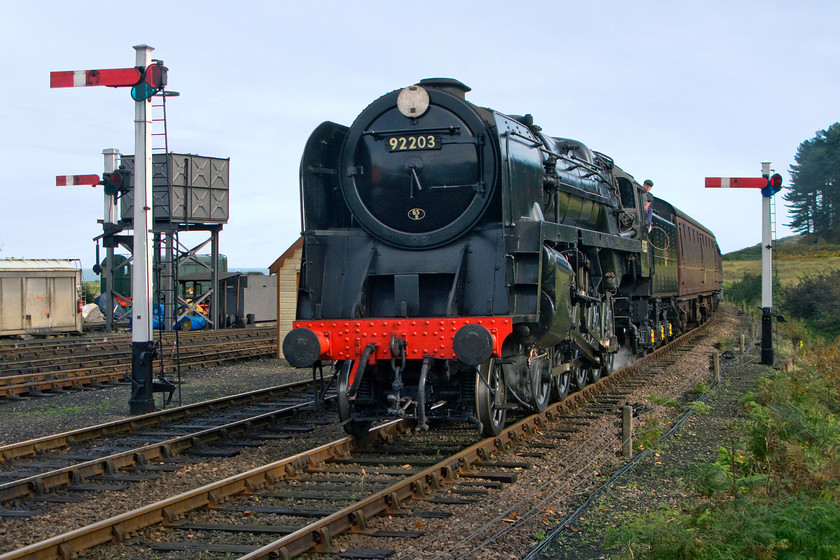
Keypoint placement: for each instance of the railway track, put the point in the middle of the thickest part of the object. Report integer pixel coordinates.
(383, 488)
(35, 369)
(37, 470)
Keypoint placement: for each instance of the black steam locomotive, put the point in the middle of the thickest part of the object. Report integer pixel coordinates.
(459, 263)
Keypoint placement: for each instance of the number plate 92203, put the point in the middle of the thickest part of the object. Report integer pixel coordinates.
(413, 142)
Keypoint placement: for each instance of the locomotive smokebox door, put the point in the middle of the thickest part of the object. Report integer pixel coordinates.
(418, 168)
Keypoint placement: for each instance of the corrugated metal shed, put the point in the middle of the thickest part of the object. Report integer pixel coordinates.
(39, 264)
(40, 296)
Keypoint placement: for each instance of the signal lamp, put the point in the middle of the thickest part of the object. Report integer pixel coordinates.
(154, 79)
(774, 185)
(116, 182)
(112, 182)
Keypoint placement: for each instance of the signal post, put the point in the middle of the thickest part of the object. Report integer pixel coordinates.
(142, 342)
(145, 79)
(769, 186)
(766, 270)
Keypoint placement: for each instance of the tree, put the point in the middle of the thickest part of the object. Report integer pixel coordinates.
(814, 194)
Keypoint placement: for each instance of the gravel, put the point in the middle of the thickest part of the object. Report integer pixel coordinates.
(42, 416)
(656, 480)
(662, 477)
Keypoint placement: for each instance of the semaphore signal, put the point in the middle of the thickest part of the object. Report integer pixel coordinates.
(145, 79)
(769, 186)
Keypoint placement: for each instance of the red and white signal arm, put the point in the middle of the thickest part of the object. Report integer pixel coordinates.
(114, 77)
(736, 182)
(68, 180)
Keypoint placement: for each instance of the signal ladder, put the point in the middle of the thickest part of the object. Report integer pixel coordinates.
(167, 248)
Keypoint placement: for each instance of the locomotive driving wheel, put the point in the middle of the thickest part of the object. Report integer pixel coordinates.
(560, 384)
(579, 371)
(595, 327)
(353, 427)
(607, 332)
(490, 398)
(539, 373)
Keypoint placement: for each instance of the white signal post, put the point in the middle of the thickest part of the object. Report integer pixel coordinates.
(766, 275)
(142, 345)
(111, 156)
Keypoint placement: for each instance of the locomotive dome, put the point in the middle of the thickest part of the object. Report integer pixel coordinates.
(418, 167)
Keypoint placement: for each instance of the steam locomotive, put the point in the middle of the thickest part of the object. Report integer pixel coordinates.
(459, 263)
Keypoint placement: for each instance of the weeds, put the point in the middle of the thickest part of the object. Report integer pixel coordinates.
(774, 491)
(661, 401)
(699, 407)
(650, 429)
(702, 389)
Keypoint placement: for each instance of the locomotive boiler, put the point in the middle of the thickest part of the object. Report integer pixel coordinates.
(459, 263)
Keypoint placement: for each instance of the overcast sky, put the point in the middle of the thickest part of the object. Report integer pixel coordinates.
(673, 91)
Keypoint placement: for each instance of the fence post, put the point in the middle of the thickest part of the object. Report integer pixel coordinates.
(716, 366)
(627, 431)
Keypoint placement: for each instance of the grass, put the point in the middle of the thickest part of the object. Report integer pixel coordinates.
(786, 271)
(794, 246)
(774, 491)
(651, 427)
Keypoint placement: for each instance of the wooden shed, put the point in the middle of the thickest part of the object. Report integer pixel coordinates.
(287, 270)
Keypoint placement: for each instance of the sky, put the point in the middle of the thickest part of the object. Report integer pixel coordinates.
(673, 91)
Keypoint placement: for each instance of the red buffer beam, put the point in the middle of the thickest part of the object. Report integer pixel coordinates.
(115, 77)
(68, 180)
(736, 182)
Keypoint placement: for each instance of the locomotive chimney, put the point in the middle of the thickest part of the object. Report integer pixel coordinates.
(449, 85)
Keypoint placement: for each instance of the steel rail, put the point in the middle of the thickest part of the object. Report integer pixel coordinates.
(115, 354)
(318, 535)
(17, 349)
(75, 378)
(78, 473)
(135, 423)
(118, 528)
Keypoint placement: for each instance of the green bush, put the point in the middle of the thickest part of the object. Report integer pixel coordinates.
(816, 300)
(90, 290)
(747, 290)
(735, 530)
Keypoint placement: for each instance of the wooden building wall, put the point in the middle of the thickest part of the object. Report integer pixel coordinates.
(287, 269)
